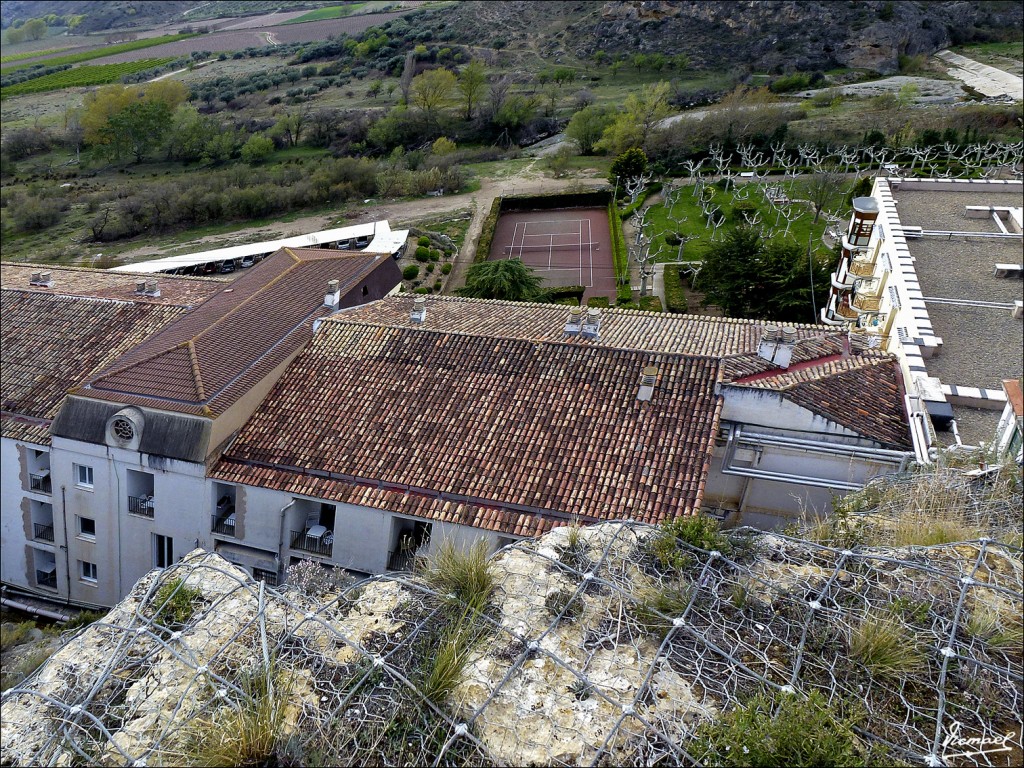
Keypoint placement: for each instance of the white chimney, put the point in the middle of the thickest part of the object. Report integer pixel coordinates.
(784, 351)
(769, 340)
(575, 322)
(419, 309)
(140, 286)
(152, 288)
(36, 279)
(592, 323)
(777, 344)
(647, 380)
(333, 296)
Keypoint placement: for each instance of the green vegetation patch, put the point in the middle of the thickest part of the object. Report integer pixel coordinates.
(107, 50)
(30, 55)
(92, 74)
(332, 12)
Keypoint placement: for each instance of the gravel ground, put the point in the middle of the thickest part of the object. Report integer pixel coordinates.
(975, 425)
(980, 347)
(958, 269)
(932, 209)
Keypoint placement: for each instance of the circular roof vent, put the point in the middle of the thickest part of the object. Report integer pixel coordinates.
(124, 428)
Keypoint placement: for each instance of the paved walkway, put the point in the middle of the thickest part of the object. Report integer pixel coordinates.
(983, 78)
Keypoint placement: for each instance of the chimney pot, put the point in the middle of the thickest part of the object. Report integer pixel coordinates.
(419, 309)
(45, 277)
(36, 278)
(575, 321)
(140, 286)
(592, 324)
(788, 334)
(332, 286)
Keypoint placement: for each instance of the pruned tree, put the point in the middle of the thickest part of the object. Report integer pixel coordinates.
(823, 187)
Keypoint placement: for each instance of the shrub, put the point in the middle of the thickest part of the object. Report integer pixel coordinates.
(675, 292)
(465, 574)
(623, 294)
(411, 272)
(650, 304)
(424, 241)
(598, 301)
(435, 255)
(885, 646)
(561, 603)
(315, 580)
(798, 732)
(430, 268)
(657, 607)
(83, 619)
(16, 635)
(422, 254)
(15, 674)
(175, 604)
(446, 269)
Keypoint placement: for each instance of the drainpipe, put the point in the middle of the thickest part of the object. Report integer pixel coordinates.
(64, 546)
(280, 548)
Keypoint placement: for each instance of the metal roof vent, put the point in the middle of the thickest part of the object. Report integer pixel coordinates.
(419, 309)
(592, 323)
(777, 344)
(574, 324)
(648, 378)
(332, 297)
(44, 279)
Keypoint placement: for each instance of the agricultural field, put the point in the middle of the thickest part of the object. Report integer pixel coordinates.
(104, 52)
(89, 74)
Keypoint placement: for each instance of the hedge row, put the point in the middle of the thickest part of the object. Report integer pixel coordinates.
(567, 292)
(620, 256)
(483, 245)
(675, 296)
(630, 209)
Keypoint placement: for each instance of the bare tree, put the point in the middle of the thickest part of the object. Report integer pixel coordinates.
(823, 186)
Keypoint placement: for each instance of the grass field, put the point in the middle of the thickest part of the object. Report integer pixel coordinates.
(695, 224)
(30, 55)
(107, 50)
(333, 12)
(90, 74)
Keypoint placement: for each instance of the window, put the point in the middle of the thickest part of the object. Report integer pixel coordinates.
(88, 571)
(269, 577)
(83, 476)
(87, 527)
(163, 547)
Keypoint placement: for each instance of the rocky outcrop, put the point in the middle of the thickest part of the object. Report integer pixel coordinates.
(610, 644)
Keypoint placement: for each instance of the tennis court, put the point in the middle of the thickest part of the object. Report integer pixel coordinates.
(565, 246)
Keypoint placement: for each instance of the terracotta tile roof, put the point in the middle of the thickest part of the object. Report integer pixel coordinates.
(103, 284)
(620, 328)
(208, 359)
(52, 343)
(862, 392)
(534, 427)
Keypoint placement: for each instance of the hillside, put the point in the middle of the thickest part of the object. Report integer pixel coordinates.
(613, 644)
(772, 36)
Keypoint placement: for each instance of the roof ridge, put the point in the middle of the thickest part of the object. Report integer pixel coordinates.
(79, 268)
(196, 373)
(341, 319)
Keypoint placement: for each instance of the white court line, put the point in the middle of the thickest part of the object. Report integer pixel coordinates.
(512, 245)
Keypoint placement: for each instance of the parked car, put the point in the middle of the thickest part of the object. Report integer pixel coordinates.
(248, 261)
(227, 267)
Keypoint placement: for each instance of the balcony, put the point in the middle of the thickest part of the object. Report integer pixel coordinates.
(316, 540)
(401, 560)
(838, 311)
(862, 268)
(842, 280)
(141, 505)
(46, 579)
(42, 532)
(864, 303)
(40, 483)
(224, 524)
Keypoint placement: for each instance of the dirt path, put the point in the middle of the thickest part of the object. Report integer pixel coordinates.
(988, 80)
(400, 214)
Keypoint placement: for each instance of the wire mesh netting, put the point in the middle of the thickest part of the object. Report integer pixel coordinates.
(616, 644)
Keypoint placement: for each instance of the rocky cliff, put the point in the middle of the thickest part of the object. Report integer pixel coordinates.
(765, 35)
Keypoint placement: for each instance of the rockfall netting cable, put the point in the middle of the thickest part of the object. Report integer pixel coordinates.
(598, 646)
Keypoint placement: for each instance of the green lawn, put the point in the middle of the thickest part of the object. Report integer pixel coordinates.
(695, 224)
(107, 50)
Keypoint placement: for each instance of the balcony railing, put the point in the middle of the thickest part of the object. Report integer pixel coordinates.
(141, 505)
(42, 531)
(224, 524)
(318, 545)
(860, 268)
(44, 579)
(401, 560)
(40, 483)
(866, 303)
